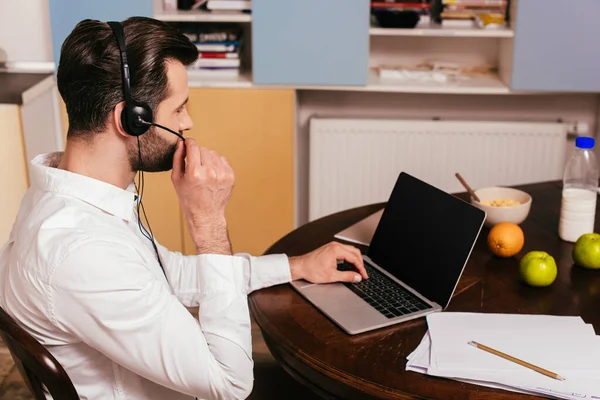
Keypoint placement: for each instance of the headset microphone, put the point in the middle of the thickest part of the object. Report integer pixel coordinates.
(142, 122)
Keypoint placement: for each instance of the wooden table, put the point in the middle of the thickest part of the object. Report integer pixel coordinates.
(372, 365)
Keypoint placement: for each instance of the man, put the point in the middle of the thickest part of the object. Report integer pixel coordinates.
(79, 273)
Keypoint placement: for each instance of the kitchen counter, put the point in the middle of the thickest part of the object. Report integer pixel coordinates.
(19, 87)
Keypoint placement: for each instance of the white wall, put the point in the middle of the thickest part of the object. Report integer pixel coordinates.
(537, 108)
(25, 31)
(40, 117)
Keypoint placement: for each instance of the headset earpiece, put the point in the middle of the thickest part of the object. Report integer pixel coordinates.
(134, 113)
(132, 117)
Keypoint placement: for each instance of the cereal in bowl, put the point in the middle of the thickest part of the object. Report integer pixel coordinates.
(501, 203)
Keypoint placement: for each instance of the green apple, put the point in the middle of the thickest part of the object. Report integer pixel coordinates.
(586, 251)
(538, 268)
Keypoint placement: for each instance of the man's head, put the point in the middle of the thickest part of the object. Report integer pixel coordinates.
(90, 83)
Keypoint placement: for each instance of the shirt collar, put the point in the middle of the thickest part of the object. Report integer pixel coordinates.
(102, 195)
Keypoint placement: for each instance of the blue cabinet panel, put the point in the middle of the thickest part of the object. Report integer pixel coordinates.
(65, 14)
(310, 42)
(556, 46)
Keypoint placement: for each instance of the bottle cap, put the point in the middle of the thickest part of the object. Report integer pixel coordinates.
(584, 142)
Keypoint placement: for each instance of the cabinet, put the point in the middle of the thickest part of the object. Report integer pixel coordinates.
(65, 14)
(310, 42)
(555, 46)
(254, 130)
(13, 170)
(331, 45)
(314, 44)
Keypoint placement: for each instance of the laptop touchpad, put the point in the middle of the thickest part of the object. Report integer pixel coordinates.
(333, 296)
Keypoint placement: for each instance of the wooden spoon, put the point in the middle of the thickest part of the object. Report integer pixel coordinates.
(466, 185)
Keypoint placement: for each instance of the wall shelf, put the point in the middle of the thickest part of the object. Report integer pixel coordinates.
(480, 85)
(440, 31)
(484, 85)
(203, 16)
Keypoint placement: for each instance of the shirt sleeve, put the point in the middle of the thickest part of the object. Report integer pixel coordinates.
(185, 273)
(107, 296)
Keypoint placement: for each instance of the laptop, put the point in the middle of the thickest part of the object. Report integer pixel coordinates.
(415, 259)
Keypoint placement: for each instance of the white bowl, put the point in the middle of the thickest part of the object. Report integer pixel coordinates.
(495, 214)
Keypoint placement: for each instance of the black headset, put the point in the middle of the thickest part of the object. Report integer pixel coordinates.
(136, 117)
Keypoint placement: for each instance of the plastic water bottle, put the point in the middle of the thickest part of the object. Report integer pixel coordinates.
(580, 190)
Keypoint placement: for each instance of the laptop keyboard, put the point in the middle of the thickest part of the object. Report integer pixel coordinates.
(386, 296)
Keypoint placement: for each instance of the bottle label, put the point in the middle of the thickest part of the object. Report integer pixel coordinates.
(577, 213)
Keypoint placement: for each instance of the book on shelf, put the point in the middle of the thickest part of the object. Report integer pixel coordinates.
(219, 51)
(200, 33)
(208, 5)
(477, 3)
(218, 35)
(403, 5)
(218, 55)
(217, 62)
(207, 73)
(220, 5)
(219, 47)
(474, 13)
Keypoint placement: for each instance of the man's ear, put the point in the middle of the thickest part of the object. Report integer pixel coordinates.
(116, 118)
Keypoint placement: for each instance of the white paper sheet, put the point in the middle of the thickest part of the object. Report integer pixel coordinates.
(565, 345)
(557, 344)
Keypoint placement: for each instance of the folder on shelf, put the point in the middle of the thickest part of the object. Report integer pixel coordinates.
(564, 345)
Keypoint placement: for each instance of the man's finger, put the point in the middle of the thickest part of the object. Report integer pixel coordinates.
(216, 159)
(346, 276)
(353, 256)
(227, 167)
(192, 153)
(226, 163)
(361, 264)
(206, 156)
(179, 160)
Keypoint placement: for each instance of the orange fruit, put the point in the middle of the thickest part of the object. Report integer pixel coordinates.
(505, 239)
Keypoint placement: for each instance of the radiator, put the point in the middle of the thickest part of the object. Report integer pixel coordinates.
(354, 162)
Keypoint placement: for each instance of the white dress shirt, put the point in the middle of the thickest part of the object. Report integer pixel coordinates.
(79, 276)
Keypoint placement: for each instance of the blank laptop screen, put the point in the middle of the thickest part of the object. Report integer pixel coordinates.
(425, 237)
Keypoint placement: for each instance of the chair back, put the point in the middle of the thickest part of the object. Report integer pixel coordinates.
(37, 365)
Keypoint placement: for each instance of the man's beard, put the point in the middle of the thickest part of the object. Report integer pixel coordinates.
(156, 153)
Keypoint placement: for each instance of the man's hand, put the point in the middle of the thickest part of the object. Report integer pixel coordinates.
(203, 181)
(320, 265)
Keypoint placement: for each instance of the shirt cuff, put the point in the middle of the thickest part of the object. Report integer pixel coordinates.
(220, 273)
(269, 270)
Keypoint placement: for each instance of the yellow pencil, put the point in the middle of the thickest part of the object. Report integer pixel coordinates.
(516, 360)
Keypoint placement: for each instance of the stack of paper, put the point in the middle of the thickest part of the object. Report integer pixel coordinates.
(564, 345)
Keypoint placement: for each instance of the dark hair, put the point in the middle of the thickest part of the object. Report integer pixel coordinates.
(89, 74)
